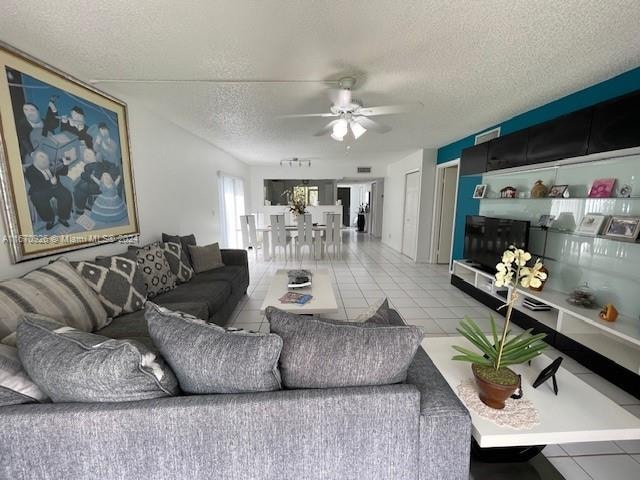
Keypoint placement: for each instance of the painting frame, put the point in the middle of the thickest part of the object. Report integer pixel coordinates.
(480, 191)
(557, 191)
(19, 209)
(626, 235)
(591, 224)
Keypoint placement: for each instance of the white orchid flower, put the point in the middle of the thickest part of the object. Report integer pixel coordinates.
(508, 257)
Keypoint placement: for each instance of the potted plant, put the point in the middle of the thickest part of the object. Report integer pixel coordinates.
(296, 201)
(496, 382)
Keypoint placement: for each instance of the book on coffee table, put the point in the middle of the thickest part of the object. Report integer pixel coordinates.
(299, 278)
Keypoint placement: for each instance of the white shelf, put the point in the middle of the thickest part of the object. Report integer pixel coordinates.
(619, 340)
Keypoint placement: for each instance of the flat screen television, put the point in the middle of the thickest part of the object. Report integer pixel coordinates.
(485, 238)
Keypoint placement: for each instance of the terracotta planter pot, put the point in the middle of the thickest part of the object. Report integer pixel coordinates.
(493, 394)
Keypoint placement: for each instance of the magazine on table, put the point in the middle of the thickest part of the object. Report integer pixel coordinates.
(294, 297)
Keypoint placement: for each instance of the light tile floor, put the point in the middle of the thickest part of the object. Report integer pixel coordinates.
(423, 295)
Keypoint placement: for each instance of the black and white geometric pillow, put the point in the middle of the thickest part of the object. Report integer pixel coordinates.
(157, 274)
(177, 261)
(117, 282)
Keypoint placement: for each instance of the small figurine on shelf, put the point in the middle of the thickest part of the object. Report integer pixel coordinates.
(539, 190)
(508, 192)
(609, 313)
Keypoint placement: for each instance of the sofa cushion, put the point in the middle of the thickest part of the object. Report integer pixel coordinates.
(117, 281)
(179, 264)
(205, 258)
(15, 385)
(214, 293)
(153, 264)
(55, 290)
(208, 359)
(320, 354)
(184, 242)
(236, 276)
(74, 366)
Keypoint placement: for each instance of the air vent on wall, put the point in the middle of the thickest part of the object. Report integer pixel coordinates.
(488, 135)
(364, 169)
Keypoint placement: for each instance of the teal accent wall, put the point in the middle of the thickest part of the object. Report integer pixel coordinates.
(614, 87)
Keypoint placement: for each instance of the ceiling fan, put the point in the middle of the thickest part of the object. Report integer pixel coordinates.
(352, 115)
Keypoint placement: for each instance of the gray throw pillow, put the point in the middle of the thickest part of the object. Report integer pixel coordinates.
(152, 262)
(180, 267)
(206, 258)
(15, 385)
(55, 290)
(184, 242)
(207, 359)
(117, 281)
(73, 366)
(323, 354)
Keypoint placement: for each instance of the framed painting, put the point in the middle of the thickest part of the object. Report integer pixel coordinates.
(65, 168)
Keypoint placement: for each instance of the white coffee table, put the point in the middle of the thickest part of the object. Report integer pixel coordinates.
(579, 413)
(323, 301)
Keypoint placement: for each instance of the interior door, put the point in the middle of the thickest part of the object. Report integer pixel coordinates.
(411, 204)
(447, 213)
(344, 194)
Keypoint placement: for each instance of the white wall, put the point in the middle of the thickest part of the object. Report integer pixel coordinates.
(176, 184)
(423, 161)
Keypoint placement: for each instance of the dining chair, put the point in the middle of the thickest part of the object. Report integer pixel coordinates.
(279, 237)
(333, 236)
(305, 234)
(249, 233)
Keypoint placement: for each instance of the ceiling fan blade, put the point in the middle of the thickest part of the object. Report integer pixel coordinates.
(390, 109)
(340, 97)
(326, 129)
(372, 124)
(305, 115)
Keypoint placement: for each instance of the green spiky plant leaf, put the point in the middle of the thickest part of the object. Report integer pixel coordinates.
(518, 349)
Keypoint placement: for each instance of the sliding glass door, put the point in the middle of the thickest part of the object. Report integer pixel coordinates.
(232, 206)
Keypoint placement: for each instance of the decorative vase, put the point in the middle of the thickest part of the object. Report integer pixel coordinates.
(491, 393)
(539, 190)
(541, 287)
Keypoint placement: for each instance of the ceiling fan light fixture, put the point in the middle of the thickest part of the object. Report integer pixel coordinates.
(357, 129)
(340, 129)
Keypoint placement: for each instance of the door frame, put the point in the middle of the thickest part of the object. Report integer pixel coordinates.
(404, 208)
(437, 209)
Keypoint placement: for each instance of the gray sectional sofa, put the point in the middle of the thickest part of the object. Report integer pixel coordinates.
(414, 430)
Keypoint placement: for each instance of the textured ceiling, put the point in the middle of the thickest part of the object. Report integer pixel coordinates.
(470, 63)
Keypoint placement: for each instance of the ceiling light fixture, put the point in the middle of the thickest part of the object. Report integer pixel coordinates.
(340, 129)
(295, 162)
(357, 129)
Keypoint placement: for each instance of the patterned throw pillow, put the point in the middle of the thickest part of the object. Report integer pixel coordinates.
(155, 269)
(117, 281)
(74, 366)
(15, 385)
(179, 267)
(184, 242)
(55, 290)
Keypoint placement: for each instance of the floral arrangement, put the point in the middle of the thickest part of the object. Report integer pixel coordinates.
(296, 201)
(502, 351)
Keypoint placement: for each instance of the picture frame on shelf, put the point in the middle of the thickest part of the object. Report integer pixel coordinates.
(480, 191)
(591, 224)
(546, 221)
(558, 191)
(602, 188)
(623, 227)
